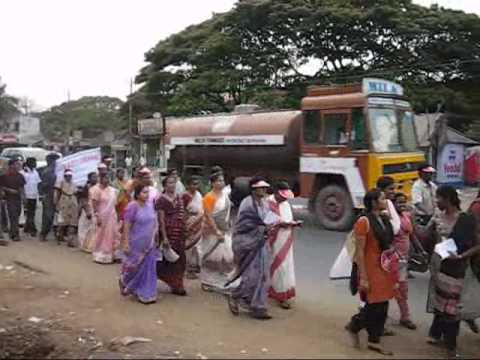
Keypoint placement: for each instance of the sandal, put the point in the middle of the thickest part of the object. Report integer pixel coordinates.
(380, 349)
(150, 302)
(122, 288)
(388, 332)
(179, 292)
(206, 287)
(285, 305)
(233, 306)
(408, 324)
(260, 315)
(433, 341)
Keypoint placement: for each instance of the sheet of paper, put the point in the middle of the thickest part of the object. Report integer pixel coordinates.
(445, 248)
(271, 218)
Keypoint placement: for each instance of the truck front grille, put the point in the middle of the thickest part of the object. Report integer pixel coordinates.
(390, 169)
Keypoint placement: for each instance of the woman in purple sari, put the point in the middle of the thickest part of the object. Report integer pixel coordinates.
(251, 252)
(138, 275)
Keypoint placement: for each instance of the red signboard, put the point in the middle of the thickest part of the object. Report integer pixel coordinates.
(8, 139)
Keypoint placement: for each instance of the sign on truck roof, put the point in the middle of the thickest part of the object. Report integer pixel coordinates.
(380, 86)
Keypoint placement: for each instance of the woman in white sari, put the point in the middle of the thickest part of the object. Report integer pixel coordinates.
(216, 245)
(282, 269)
(86, 223)
(194, 220)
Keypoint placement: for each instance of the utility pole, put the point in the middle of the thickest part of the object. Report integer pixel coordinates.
(130, 116)
(69, 127)
(130, 108)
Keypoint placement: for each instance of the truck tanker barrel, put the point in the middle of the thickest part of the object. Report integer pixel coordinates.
(244, 144)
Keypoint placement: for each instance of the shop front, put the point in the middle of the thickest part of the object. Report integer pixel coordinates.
(152, 148)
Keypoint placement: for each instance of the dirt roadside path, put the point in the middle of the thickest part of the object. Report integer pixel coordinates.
(84, 295)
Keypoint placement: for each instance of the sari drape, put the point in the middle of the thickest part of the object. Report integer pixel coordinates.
(280, 240)
(217, 255)
(194, 218)
(172, 273)
(251, 253)
(138, 275)
(107, 236)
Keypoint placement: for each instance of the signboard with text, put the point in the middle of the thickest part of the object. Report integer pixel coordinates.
(450, 164)
(380, 86)
(81, 163)
(240, 140)
(150, 127)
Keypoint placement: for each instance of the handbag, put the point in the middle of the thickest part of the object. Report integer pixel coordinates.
(418, 262)
(354, 279)
(169, 254)
(351, 243)
(351, 246)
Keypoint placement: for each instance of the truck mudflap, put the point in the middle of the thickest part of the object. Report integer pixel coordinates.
(345, 167)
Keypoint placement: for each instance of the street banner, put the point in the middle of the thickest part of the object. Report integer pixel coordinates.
(342, 266)
(81, 163)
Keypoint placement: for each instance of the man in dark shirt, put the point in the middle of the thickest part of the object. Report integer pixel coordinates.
(12, 184)
(107, 160)
(47, 191)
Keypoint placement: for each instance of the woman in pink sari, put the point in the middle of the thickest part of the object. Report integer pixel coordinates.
(107, 236)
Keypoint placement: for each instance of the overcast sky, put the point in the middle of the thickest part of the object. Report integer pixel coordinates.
(93, 47)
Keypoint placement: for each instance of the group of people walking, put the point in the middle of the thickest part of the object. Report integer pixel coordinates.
(172, 236)
(166, 235)
(179, 233)
(383, 239)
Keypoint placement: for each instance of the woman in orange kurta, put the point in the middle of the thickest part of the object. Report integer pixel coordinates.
(374, 236)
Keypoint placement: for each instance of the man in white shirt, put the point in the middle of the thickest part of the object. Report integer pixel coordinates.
(32, 180)
(128, 164)
(424, 195)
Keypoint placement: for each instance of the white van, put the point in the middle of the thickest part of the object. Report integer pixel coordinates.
(25, 152)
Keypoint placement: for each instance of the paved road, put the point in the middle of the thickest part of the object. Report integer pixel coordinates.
(316, 250)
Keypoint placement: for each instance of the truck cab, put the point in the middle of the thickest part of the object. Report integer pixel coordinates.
(351, 135)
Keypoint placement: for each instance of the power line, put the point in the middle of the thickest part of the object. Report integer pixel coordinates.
(387, 71)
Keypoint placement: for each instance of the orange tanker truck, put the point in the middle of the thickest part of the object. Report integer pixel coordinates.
(332, 151)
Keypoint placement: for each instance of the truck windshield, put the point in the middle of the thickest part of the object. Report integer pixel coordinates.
(408, 134)
(392, 130)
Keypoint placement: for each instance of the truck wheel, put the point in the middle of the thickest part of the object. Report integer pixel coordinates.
(334, 208)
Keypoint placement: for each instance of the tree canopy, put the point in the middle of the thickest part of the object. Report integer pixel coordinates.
(269, 51)
(8, 106)
(90, 114)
